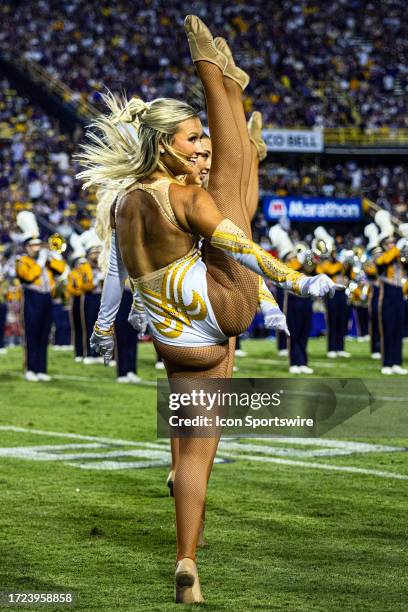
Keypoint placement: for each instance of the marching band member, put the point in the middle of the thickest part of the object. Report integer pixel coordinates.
(298, 311)
(403, 230)
(92, 282)
(281, 337)
(14, 301)
(358, 291)
(359, 301)
(371, 232)
(61, 310)
(36, 270)
(391, 300)
(405, 293)
(79, 267)
(4, 285)
(336, 307)
(126, 340)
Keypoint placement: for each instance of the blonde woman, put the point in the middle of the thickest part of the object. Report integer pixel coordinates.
(194, 301)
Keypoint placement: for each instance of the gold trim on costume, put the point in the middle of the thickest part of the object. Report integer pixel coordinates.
(167, 302)
(264, 295)
(228, 237)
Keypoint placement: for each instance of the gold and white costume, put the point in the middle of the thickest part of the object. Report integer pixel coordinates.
(176, 297)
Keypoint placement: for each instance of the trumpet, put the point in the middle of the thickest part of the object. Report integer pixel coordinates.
(57, 243)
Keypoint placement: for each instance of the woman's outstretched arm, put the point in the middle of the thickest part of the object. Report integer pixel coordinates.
(203, 217)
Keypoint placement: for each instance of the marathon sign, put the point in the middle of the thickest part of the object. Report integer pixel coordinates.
(312, 209)
(295, 141)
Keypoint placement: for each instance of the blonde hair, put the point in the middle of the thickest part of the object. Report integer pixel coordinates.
(124, 146)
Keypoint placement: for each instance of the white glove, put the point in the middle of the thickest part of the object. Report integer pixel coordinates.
(138, 320)
(275, 319)
(103, 344)
(318, 286)
(112, 287)
(42, 257)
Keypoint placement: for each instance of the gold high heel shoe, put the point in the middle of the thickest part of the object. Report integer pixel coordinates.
(187, 584)
(200, 40)
(231, 70)
(255, 134)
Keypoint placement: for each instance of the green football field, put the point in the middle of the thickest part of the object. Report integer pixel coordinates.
(292, 525)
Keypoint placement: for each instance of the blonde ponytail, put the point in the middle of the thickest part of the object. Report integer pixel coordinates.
(105, 197)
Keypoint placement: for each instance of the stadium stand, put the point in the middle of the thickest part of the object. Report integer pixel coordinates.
(36, 167)
(312, 63)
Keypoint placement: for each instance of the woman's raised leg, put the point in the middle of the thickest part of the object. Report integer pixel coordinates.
(232, 289)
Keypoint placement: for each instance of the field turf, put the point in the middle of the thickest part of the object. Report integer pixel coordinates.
(328, 535)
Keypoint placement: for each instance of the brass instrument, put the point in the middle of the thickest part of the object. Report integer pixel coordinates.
(57, 243)
(371, 208)
(356, 259)
(304, 254)
(321, 249)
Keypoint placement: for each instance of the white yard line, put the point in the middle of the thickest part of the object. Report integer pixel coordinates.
(158, 453)
(60, 434)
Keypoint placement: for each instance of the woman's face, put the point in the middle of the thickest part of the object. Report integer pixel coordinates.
(187, 141)
(204, 161)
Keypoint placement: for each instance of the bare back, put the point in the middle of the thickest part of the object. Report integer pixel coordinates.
(150, 238)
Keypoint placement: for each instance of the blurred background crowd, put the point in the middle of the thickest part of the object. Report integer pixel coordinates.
(312, 62)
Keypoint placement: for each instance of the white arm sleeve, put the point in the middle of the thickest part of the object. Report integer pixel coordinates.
(112, 287)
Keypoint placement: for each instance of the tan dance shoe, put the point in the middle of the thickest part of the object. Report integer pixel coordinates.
(187, 585)
(231, 70)
(255, 134)
(200, 40)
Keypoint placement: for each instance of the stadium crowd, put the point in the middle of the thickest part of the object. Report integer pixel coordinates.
(37, 172)
(311, 62)
(36, 167)
(387, 185)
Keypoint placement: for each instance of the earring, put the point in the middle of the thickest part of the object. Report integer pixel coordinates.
(161, 151)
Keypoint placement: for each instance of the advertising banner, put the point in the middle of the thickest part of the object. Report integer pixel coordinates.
(296, 141)
(312, 209)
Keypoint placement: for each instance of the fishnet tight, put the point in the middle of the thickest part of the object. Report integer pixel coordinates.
(232, 291)
(195, 456)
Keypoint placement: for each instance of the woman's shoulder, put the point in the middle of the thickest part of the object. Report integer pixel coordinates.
(187, 191)
(125, 204)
